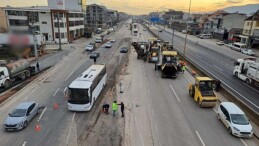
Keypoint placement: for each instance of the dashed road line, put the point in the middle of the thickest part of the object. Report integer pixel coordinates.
(251, 87)
(56, 92)
(70, 128)
(24, 143)
(243, 142)
(197, 133)
(42, 114)
(174, 93)
(218, 68)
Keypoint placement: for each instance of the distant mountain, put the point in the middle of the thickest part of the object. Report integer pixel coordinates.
(247, 9)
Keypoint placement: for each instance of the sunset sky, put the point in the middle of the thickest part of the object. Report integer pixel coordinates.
(146, 6)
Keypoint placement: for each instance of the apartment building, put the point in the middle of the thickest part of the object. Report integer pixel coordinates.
(45, 21)
(96, 16)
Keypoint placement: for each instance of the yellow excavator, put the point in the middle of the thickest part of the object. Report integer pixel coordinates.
(202, 92)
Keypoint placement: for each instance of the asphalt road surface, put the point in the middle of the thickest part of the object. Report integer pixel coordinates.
(58, 126)
(161, 112)
(218, 64)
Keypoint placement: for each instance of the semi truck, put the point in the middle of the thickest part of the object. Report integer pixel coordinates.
(247, 69)
(18, 70)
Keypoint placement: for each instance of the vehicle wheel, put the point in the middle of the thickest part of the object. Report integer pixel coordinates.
(28, 74)
(7, 84)
(229, 131)
(25, 124)
(22, 76)
(218, 116)
(192, 91)
(236, 74)
(248, 81)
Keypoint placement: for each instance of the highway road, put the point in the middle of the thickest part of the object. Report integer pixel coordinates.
(58, 126)
(218, 64)
(161, 112)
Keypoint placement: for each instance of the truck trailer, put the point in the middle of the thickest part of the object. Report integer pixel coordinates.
(247, 69)
(18, 70)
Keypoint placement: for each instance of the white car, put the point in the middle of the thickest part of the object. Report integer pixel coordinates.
(235, 120)
(248, 52)
(229, 45)
(220, 43)
(108, 45)
(89, 48)
(112, 40)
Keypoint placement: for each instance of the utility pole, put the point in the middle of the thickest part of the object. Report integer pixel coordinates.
(186, 29)
(31, 19)
(59, 36)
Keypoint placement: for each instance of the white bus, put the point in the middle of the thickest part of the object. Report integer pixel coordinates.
(205, 36)
(84, 91)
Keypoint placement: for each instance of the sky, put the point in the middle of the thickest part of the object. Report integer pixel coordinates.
(146, 6)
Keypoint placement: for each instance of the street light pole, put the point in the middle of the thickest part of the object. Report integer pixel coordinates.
(186, 29)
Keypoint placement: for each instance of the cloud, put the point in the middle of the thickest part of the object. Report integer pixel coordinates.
(234, 1)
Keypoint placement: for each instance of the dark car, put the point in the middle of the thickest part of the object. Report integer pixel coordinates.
(160, 31)
(94, 54)
(124, 50)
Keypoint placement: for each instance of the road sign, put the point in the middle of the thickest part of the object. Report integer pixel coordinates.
(155, 19)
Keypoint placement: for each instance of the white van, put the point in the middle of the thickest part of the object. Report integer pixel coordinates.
(98, 40)
(205, 36)
(238, 46)
(235, 120)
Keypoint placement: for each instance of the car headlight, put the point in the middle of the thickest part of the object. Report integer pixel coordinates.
(236, 129)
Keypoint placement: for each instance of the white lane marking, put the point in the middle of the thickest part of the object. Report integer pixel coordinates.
(140, 135)
(200, 138)
(70, 128)
(174, 93)
(24, 143)
(251, 87)
(187, 78)
(56, 92)
(42, 114)
(227, 85)
(218, 68)
(243, 142)
(73, 71)
(215, 110)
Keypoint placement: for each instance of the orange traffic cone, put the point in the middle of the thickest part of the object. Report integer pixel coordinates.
(55, 106)
(37, 128)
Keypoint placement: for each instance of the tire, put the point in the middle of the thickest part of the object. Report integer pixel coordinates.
(27, 74)
(248, 81)
(7, 83)
(22, 76)
(218, 117)
(192, 91)
(236, 74)
(199, 102)
(25, 124)
(230, 131)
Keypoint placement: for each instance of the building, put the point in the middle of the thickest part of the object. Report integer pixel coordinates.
(173, 16)
(213, 23)
(113, 17)
(233, 24)
(45, 20)
(96, 16)
(73, 5)
(3, 21)
(251, 29)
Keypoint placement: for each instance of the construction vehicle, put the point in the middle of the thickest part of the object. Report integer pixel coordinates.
(141, 49)
(153, 50)
(202, 92)
(20, 69)
(247, 69)
(168, 64)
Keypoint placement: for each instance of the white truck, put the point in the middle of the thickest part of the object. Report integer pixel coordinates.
(20, 69)
(247, 69)
(8, 39)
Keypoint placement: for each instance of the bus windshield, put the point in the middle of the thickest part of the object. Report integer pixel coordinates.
(79, 96)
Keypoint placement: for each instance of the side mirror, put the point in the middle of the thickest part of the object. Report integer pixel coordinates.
(65, 92)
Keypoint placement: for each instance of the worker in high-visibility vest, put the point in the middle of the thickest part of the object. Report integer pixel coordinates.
(114, 107)
(183, 68)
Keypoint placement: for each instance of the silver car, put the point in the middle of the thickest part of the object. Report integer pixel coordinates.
(21, 115)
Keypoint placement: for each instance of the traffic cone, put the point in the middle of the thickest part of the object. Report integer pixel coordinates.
(55, 106)
(37, 128)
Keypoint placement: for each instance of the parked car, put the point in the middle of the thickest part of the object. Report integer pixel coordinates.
(184, 31)
(98, 39)
(220, 43)
(108, 45)
(248, 52)
(94, 54)
(112, 40)
(21, 115)
(229, 45)
(237, 46)
(124, 50)
(235, 120)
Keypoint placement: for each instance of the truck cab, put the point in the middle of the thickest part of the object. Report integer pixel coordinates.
(4, 76)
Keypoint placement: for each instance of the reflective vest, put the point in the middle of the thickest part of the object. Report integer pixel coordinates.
(184, 68)
(114, 106)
